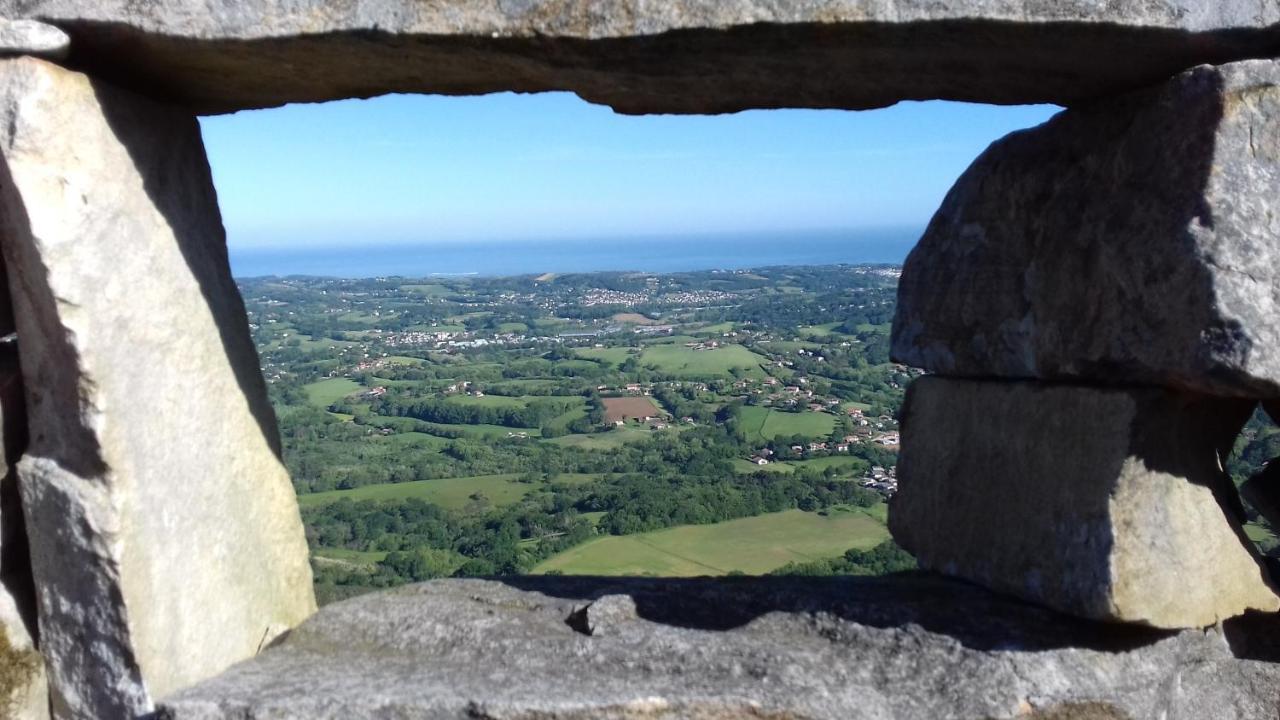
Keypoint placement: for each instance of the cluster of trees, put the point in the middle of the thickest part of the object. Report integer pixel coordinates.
(593, 421)
(441, 410)
(540, 368)
(883, 559)
(643, 503)
(684, 402)
(423, 540)
(324, 453)
(854, 306)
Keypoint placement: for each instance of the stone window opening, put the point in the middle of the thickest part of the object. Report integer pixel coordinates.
(1114, 264)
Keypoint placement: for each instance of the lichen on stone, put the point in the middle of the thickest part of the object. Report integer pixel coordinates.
(18, 668)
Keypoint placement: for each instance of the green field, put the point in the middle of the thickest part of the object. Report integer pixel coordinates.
(716, 329)
(413, 439)
(324, 393)
(402, 360)
(312, 344)
(843, 462)
(612, 355)
(575, 478)
(484, 431)
(609, 440)
(669, 340)
(578, 407)
(428, 327)
(357, 557)
(680, 360)
(376, 381)
(752, 545)
(431, 289)
(358, 316)
(818, 330)
(880, 512)
(552, 323)
(789, 347)
(564, 418)
(763, 424)
(452, 493)
(836, 461)
(747, 467)
(487, 401)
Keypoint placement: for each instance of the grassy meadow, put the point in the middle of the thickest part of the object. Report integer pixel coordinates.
(324, 393)
(751, 545)
(610, 440)
(612, 356)
(682, 361)
(853, 465)
(763, 424)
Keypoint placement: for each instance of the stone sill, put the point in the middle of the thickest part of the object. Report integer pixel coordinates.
(911, 646)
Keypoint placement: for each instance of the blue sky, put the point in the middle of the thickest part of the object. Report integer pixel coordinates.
(429, 169)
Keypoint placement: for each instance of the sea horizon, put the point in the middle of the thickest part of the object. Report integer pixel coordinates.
(500, 258)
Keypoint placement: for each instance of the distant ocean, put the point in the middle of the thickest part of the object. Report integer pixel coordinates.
(526, 257)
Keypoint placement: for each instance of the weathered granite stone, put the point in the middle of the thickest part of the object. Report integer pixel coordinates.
(31, 37)
(603, 615)
(24, 692)
(1134, 240)
(1098, 502)
(846, 649)
(699, 56)
(165, 536)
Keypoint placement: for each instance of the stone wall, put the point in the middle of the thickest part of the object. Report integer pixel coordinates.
(1096, 296)
(1117, 262)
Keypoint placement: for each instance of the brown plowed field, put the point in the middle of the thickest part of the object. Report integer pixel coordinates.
(626, 408)
(634, 319)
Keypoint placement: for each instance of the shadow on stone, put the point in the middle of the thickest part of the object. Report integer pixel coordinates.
(974, 617)
(45, 384)
(203, 244)
(15, 553)
(912, 647)
(1254, 636)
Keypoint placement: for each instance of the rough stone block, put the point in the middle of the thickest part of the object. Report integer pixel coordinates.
(165, 536)
(906, 648)
(1103, 503)
(640, 56)
(1133, 240)
(31, 37)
